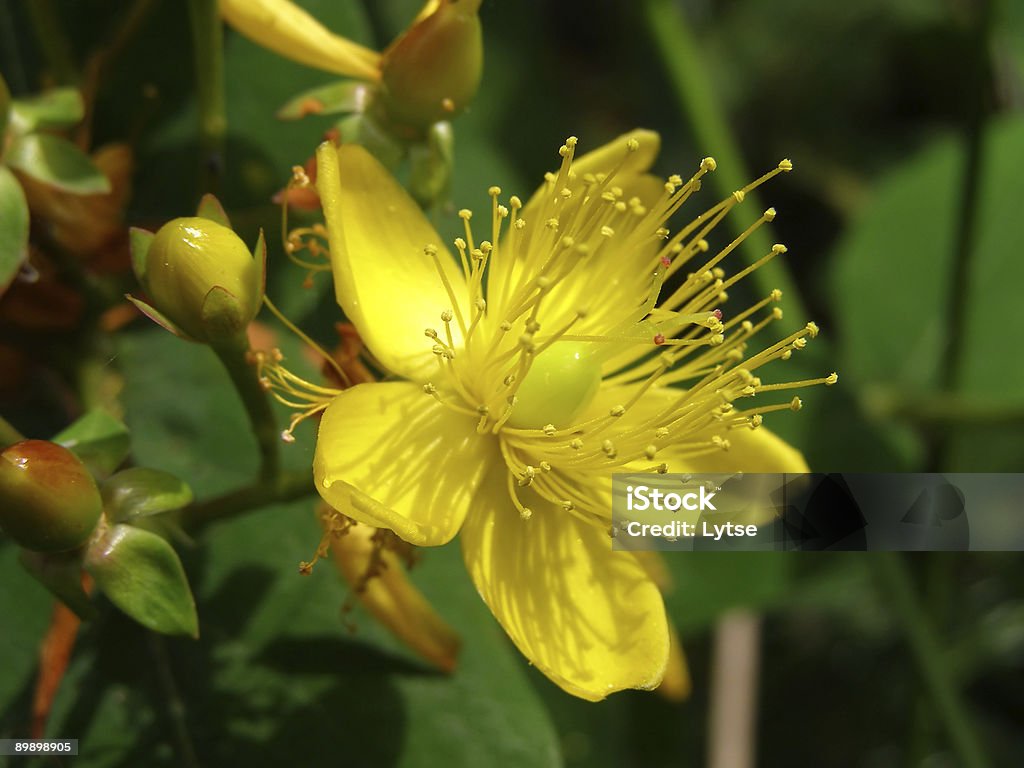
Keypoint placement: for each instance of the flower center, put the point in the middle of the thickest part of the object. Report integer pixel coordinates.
(560, 384)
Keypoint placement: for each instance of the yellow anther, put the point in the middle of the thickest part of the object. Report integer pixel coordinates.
(632, 145)
(786, 165)
(465, 214)
(708, 164)
(812, 329)
(661, 432)
(429, 389)
(576, 444)
(525, 513)
(549, 429)
(617, 411)
(831, 379)
(769, 215)
(796, 404)
(650, 451)
(494, 191)
(738, 195)
(779, 248)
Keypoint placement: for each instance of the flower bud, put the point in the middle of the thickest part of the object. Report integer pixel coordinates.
(202, 278)
(48, 500)
(432, 71)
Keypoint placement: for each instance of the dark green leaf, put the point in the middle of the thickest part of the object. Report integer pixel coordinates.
(98, 439)
(141, 492)
(57, 162)
(13, 228)
(142, 575)
(57, 108)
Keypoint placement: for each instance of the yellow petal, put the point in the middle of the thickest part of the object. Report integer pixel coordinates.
(390, 456)
(389, 288)
(751, 450)
(393, 599)
(587, 617)
(288, 30)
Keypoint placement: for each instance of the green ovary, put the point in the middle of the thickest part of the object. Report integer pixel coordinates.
(559, 385)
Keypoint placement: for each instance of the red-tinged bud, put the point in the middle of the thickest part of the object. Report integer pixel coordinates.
(433, 71)
(48, 500)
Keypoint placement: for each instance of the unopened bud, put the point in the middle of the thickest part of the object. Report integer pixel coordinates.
(48, 500)
(432, 71)
(202, 278)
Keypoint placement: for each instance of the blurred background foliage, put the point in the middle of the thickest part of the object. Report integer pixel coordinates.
(905, 234)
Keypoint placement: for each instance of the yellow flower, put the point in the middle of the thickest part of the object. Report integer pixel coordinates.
(581, 339)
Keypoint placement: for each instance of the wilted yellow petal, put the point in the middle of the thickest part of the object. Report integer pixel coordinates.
(391, 456)
(391, 597)
(287, 29)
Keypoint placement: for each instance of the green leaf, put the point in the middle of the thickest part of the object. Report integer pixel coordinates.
(331, 99)
(142, 492)
(98, 439)
(13, 228)
(57, 162)
(61, 573)
(142, 575)
(895, 340)
(56, 108)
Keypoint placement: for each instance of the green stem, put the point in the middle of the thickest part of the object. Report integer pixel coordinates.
(895, 583)
(8, 434)
(208, 50)
(287, 487)
(959, 293)
(234, 357)
(680, 54)
(943, 409)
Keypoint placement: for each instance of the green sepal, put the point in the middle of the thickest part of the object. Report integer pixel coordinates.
(142, 492)
(332, 99)
(13, 227)
(222, 315)
(210, 208)
(61, 574)
(430, 165)
(139, 241)
(101, 441)
(56, 108)
(157, 317)
(142, 575)
(56, 162)
(365, 131)
(259, 255)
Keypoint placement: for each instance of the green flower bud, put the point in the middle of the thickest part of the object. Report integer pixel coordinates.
(433, 71)
(202, 278)
(48, 500)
